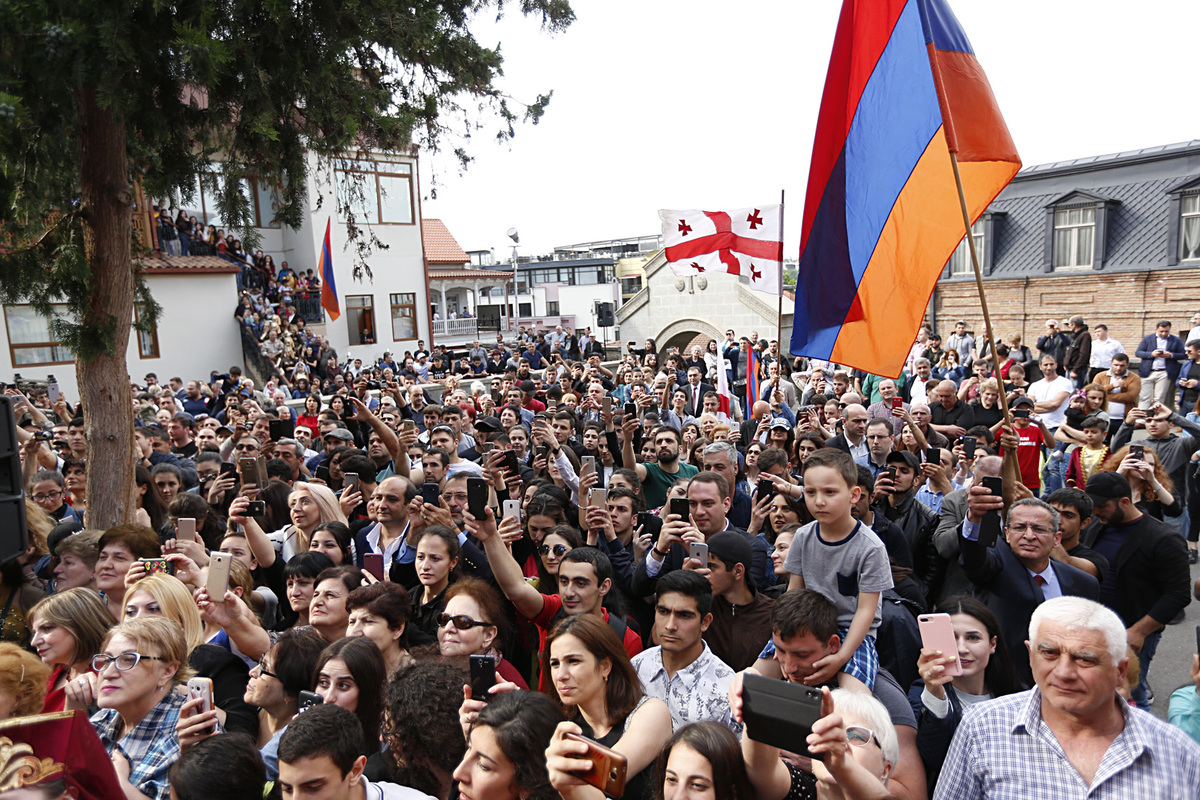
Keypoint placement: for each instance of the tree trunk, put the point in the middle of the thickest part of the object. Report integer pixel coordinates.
(106, 203)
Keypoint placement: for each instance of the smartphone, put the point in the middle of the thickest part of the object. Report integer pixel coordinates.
(588, 463)
(158, 565)
(1138, 451)
(408, 425)
(933, 456)
(607, 404)
(510, 508)
(218, 575)
(681, 507)
(891, 472)
(1021, 412)
(897, 403)
(608, 768)
(483, 677)
(483, 448)
(630, 409)
(552, 402)
(699, 551)
(430, 492)
(937, 633)
(764, 488)
(256, 508)
(373, 563)
(185, 529)
(780, 714)
(228, 468)
(650, 523)
(350, 483)
(969, 443)
(282, 428)
(510, 463)
(597, 497)
(201, 688)
(989, 528)
(52, 392)
(1198, 639)
(308, 700)
(253, 471)
(477, 497)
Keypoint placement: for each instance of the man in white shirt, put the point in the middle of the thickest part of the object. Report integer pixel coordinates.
(1051, 394)
(682, 671)
(1103, 350)
(1194, 333)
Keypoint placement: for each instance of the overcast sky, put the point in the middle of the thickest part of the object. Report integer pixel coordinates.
(704, 104)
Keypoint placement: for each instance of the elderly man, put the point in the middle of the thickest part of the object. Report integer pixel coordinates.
(1072, 735)
(915, 392)
(1016, 577)
(951, 417)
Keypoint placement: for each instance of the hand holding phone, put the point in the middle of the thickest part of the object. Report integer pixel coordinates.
(937, 634)
(608, 770)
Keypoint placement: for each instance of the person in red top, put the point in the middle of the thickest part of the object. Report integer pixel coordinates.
(1033, 436)
(528, 400)
(584, 578)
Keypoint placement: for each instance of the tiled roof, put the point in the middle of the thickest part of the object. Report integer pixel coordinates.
(440, 246)
(183, 265)
(491, 275)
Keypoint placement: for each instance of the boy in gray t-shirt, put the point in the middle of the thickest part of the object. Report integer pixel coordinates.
(844, 560)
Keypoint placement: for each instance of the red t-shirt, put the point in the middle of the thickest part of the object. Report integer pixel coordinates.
(551, 605)
(1029, 454)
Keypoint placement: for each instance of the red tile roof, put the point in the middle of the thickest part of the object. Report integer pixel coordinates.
(493, 275)
(159, 264)
(440, 246)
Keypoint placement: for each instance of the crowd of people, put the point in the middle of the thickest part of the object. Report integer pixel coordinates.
(530, 571)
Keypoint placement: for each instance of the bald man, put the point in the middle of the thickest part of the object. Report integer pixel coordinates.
(951, 417)
(853, 438)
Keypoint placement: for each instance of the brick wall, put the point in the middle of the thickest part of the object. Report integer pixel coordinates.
(1129, 303)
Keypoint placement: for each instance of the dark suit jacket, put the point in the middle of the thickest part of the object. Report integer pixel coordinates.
(1146, 350)
(1011, 593)
(644, 585)
(839, 442)
(704, 388)
(1152, 572)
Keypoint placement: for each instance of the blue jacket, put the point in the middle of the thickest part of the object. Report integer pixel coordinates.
(1146, 350)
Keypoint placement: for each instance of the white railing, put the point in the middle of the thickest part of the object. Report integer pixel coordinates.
(455, 327)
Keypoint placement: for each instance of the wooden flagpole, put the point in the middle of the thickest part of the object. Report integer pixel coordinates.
(987, 317)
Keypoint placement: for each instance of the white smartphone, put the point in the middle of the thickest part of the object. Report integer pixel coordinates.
(218, 575)
(597, 497)
(185, 529)
(201, 688)
(937, 633)
(587, 463)
(699, 551)
(511, 508)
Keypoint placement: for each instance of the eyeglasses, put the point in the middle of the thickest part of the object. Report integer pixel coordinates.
(262, 668)
(1021, 527)
(246, 447)
(559, 550)
(859, 736)
(41, 498)
(123, 662)
(461, 621)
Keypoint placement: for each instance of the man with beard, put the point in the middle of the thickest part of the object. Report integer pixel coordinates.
(657, 477)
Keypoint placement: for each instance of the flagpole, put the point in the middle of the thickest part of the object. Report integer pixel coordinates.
(779, 317)
(987, 317)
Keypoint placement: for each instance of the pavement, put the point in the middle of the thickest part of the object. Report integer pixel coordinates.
(1172, 663)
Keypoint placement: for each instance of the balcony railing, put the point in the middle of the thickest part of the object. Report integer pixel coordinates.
(455, 327)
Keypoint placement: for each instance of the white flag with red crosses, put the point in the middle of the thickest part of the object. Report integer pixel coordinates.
(746, 241)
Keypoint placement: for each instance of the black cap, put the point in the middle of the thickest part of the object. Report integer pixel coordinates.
(903, 456)
(528, 386)
(489, 424)
(1021, 401)
(733, 548)
(1105, 486)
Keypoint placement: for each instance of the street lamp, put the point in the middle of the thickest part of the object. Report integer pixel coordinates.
(516, 306)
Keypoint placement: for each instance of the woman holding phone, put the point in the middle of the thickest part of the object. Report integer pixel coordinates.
(309, 506)
(600, 694)
(473, 624)
(938, 699)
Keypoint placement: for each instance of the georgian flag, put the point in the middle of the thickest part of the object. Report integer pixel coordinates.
(746, 241)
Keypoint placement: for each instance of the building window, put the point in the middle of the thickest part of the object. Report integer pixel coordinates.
(360, 318)
(262, 196)
(30, 341)
(1189, 227)
(147, 340)
(551, 308)
(1074, 237)
(526, 309)
(631, 285)
(375, 193)
(960, 262)
(404, 317)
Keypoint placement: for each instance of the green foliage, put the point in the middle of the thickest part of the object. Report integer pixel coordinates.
(256, 85)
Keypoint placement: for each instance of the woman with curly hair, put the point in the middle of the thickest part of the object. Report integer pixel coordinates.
(421, 727)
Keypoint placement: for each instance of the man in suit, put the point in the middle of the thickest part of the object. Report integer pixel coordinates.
(1161, 353)
(1015, 578)
(695, 389)
(1148, 580)
(853, 438)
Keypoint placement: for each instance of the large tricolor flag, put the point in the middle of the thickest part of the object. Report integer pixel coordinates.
(329, 299)
(747, 241)
(882, 214)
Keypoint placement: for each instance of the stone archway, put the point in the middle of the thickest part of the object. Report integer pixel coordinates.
(680, 333)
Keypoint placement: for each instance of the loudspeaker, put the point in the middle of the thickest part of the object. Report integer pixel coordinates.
(604, 315)
(14, 537)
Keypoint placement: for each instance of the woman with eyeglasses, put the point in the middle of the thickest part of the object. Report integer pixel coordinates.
(938, 699)
(474, 624)
(275, 685)
(137, 671)
(68, 629)
(750, 468)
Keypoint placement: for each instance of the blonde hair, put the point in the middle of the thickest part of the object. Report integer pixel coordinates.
(39, 524)
(162, 634)
(84, 545)
(327, 505)
(176, 603)
(81, 613)
(23, 677)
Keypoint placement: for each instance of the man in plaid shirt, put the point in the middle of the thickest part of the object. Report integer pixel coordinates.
(1072, 736)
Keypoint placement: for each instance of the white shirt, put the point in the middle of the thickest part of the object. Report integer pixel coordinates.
(698, 693)
(1044, 390)
(1103, 352)
(1193, 334)
(1159, 344)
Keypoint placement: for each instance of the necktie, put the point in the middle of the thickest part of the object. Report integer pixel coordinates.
(1040, 580)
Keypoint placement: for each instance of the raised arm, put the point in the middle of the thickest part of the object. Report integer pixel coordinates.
(505, 569)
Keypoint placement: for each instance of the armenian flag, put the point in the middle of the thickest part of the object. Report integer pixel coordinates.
(329, 299)
(882, 214)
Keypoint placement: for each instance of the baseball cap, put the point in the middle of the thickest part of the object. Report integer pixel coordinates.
(528, 386)
(903, 456)
(1105, 486)
(340, 433)
(780, 422)
(1021, 401)
(490, 424)
(732, 548)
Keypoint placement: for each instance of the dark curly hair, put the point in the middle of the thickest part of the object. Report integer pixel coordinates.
(421, 723)
(523, 724)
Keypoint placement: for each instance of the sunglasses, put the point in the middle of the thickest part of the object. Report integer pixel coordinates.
(558, 549)
(461, 621)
